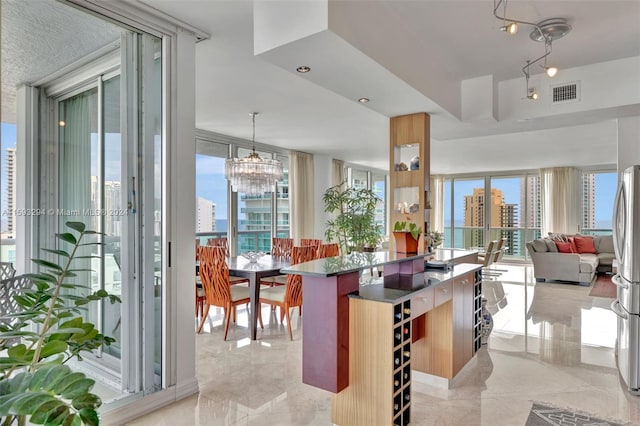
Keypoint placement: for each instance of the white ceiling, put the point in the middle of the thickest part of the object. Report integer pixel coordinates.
(407, 56)
(40, 37)
(419, 47)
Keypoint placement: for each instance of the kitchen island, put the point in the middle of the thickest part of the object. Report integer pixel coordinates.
(361, 342)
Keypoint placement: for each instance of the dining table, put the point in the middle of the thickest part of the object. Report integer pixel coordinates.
(265, 266)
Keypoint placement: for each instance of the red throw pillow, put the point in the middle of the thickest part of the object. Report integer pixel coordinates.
(574, 249)
(564, 247)
(585, 245)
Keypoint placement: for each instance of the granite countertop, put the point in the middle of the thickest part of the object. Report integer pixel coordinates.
(376, 291)
(353, 262)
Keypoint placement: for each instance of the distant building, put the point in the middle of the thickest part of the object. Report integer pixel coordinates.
(502, 216)
(589, 200)
(108, 199)
(11, 192)
(530, 202)
(255, 218)
(205, 215)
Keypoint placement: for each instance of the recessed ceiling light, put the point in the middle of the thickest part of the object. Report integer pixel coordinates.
(61, 123)
(363, 100)
(303, 69)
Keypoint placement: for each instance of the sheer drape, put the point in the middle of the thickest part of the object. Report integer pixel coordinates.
(560, 200)
(77, 117)
(337, 176)
(301, 205)
(437, 203)
(75, 157)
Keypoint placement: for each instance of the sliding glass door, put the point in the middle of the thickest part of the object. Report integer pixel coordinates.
(110, 163)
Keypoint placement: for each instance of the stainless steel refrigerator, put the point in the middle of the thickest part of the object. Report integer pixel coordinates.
(626, 242)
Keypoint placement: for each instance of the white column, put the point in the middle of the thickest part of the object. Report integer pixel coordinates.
(182, 192)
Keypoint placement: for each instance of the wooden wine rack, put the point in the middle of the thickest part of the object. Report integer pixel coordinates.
(477, 310)
(379, 389)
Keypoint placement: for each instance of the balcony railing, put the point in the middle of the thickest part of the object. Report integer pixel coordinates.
(247, 240)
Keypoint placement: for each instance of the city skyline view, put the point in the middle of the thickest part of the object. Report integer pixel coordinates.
(212, 185)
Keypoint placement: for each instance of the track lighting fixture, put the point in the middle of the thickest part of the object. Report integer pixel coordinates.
(545, 31)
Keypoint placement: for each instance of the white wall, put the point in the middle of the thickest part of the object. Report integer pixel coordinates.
(628, 142)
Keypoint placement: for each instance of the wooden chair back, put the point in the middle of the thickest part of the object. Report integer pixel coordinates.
(214, 275)
(328, 250)
(310, 242)
(293, 293)
(220, 242)
(281, 247)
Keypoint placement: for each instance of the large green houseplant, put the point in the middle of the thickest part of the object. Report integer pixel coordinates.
(352, 222)
(35, 384)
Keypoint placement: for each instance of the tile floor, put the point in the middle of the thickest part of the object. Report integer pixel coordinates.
(551, 343)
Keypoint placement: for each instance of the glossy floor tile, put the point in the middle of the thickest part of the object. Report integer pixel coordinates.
(550, 343)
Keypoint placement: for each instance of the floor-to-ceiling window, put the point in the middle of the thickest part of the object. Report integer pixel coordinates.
(481, 209)
(376, 181)
(598, 193)
(211, 190)
(515, 212)
(255, 217)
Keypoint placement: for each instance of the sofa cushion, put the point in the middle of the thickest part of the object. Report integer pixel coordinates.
(539, 246)
(606, 258)
(558, 237)
(603, 243)
(564, 247)
(588, 262)
(584, 244)
(551, 245)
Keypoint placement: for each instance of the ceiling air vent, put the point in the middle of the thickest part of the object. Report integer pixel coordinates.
(568, 92)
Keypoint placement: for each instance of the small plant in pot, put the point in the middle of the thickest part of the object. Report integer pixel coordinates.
(406, 235)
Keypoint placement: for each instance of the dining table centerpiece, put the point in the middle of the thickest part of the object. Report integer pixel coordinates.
(406, 235)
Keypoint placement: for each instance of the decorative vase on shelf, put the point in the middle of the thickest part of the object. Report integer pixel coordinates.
(405, 243)
(486, 324)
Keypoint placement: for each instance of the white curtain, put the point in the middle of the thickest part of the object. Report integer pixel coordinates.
(301, 196)
(437, 203)
(560, 200)
(75, 157)
(337, 176)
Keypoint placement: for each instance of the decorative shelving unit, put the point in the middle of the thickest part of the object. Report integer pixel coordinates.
(409, 169)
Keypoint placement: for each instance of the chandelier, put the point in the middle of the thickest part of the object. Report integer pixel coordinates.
(253, 175)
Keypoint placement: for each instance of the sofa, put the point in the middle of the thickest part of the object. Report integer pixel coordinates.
(576, 266)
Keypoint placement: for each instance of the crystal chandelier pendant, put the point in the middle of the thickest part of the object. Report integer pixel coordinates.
(253, 175)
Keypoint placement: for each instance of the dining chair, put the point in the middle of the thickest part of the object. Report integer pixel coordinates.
(280, 247)
(328, 250)
(214, 275)
(289, 296)
(223, 242)
(310, 242)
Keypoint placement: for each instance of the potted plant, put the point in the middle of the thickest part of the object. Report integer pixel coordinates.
(353, 213)
(35, 384)
(406, 235)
